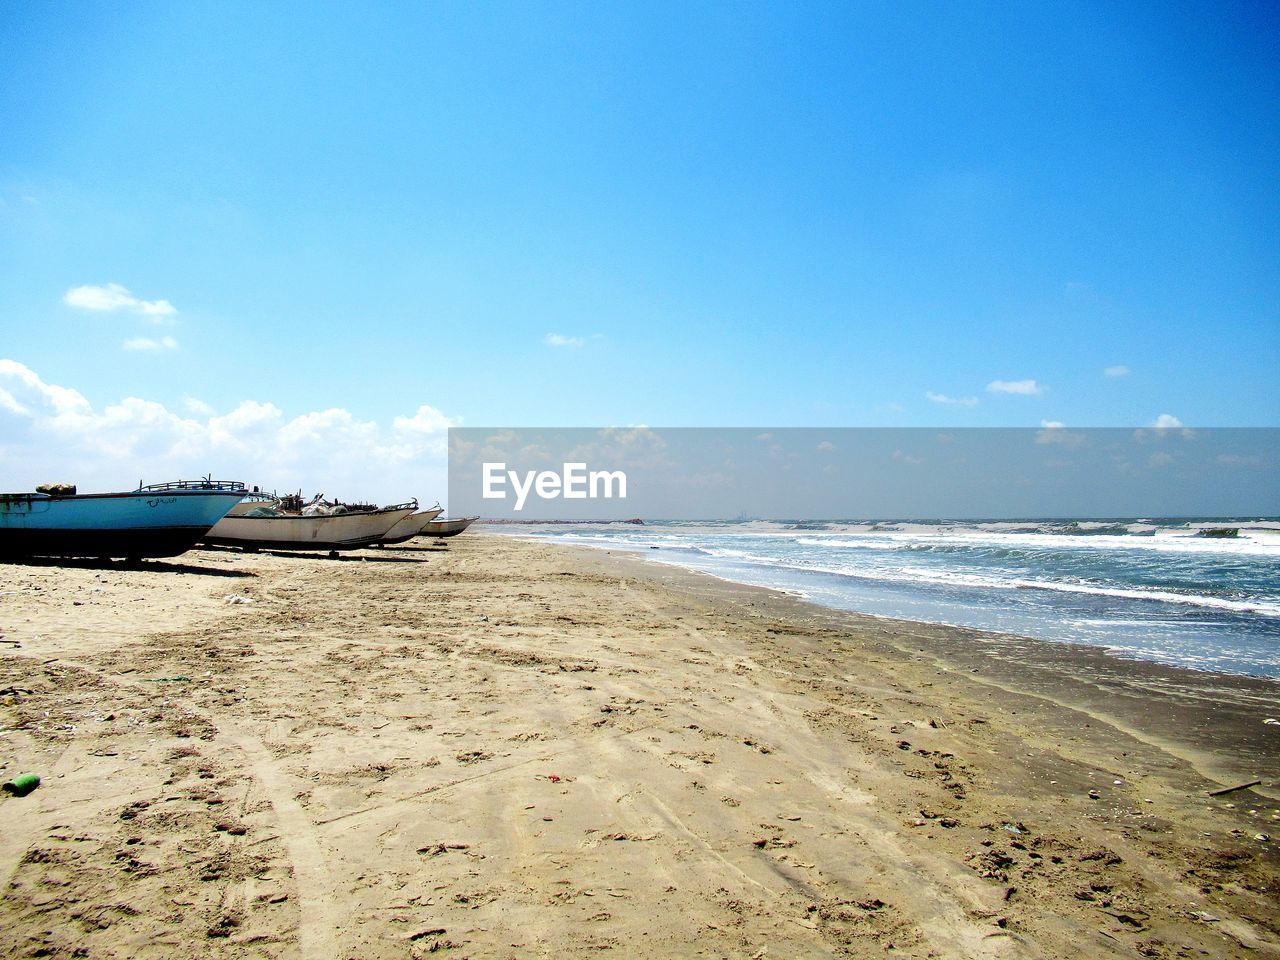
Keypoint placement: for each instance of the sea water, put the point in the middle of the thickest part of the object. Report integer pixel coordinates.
(1149, 588)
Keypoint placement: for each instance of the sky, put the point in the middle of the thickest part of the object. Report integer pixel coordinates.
(296, 242)
(833, 473)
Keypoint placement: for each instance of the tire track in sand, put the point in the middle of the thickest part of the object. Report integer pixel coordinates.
(316, 921)
(316, 926)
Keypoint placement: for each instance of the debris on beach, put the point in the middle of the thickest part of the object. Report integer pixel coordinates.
(1232, 789)
(22, 784)
(435, 849)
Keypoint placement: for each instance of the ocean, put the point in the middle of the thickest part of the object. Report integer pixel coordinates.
(1153, 589)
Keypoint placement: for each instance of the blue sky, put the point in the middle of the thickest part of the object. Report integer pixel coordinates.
(729, 214)
(834, 473)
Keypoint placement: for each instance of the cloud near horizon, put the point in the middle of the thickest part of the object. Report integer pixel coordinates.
(1025, 388)
(1056, 432)
(52, 432)
(1165, 425)
(943, 398)
(113, 297)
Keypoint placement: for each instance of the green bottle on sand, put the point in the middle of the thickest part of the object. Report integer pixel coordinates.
(22, 784)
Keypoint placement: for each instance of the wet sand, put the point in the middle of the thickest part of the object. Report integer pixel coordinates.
(505, 749)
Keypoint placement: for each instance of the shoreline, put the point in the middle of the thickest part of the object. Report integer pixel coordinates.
(1057, 665)
(973, 627)
(497, 748)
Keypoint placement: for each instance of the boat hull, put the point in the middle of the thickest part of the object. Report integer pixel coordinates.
(134, 525)
(447, 528)
(346, 531)
(411, 526)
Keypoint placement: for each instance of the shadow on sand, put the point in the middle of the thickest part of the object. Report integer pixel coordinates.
(145, 566)
(372, 558)
(318, 554)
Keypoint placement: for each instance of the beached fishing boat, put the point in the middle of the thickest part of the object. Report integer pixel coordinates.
(160, 520)
(253, 501)
(335, 531)
(411, 526)
(447, 528)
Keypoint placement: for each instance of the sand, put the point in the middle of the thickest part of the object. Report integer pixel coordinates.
(506, 749)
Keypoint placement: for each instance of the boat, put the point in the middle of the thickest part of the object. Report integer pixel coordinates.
(254, 501)
(446, 528)
(339, 530)
(411, 526)
(159, 520)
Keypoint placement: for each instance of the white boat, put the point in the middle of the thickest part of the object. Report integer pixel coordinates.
(341, 531)
(161, 520)
(447, 528)
(411, 526)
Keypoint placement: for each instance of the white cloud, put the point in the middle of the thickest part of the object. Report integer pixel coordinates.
(427, 420)
(560, 340)
(1055, 431)
(53, 431)
(198, 407)
(1026, 388)
(61, 400)
(1165, 425)
(147, 344)
(943, 398)
(114, 297)
(9, 402)
(1119, 370)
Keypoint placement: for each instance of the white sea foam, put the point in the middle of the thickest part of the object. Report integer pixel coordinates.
(1265, 608)
(909, 575)
(1246, 544)
(919, 575)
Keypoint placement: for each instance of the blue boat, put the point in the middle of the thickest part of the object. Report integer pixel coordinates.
(159, 520)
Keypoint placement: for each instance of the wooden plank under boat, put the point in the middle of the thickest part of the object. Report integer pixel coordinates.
(447, 528)
(411, 526)
(161, 520)
(342, 531)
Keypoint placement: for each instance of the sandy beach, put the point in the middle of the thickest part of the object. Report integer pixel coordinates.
(497, 748)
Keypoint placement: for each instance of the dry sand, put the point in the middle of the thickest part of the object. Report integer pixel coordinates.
(504, 749)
